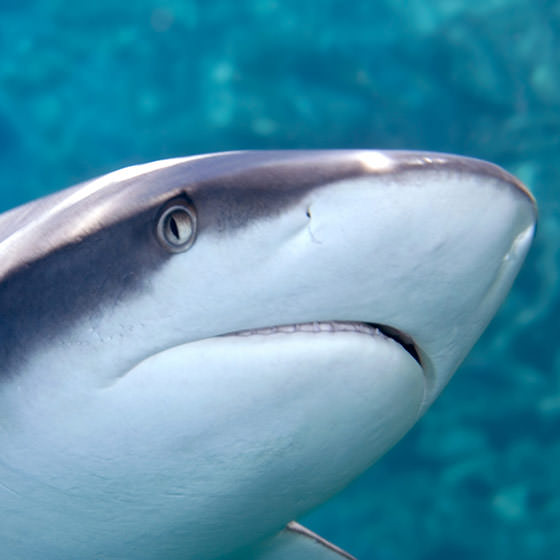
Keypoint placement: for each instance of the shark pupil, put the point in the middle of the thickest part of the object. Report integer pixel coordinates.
(174, 228)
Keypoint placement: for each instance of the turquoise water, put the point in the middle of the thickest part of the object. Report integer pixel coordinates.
(89, 87)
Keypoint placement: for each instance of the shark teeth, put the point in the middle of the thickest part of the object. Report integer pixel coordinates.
(315, 327)
(370, 329)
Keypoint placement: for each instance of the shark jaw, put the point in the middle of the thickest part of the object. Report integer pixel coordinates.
(369, 329)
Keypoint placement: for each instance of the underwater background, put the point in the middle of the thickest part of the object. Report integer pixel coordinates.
(88, 87)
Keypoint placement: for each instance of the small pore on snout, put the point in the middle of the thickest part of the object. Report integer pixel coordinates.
(309, 225)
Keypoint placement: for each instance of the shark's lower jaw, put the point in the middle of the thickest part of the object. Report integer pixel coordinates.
(368, 329)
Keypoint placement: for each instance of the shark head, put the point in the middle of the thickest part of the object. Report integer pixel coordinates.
(196, 351)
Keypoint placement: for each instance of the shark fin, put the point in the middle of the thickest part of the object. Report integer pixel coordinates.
(296, 542)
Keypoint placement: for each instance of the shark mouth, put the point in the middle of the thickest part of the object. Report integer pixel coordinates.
(370, 329)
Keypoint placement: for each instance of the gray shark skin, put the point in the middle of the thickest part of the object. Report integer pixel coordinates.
(195, 352)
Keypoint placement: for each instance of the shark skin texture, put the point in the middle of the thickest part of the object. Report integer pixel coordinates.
(196, 352)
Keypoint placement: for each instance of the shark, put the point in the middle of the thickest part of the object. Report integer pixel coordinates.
(195, 352)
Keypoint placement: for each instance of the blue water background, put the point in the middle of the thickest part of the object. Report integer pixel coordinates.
(87, 87)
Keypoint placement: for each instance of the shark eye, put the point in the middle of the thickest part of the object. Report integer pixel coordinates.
(176, 227)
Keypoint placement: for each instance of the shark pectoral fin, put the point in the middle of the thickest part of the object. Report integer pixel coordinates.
(312, 545)
(296, 542)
